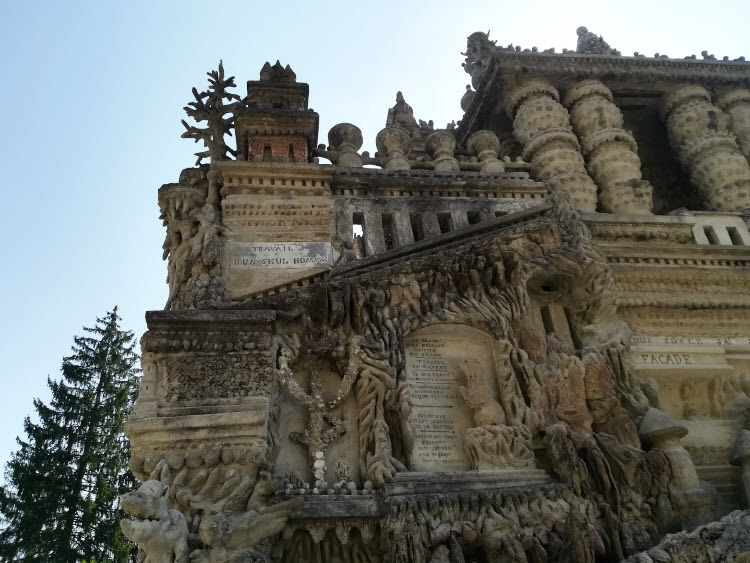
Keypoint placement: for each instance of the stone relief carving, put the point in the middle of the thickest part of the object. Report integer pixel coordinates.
(160, 531)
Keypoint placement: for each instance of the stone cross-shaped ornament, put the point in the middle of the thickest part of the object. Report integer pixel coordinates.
(321, 413)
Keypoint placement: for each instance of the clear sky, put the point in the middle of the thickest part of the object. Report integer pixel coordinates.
(92, 96)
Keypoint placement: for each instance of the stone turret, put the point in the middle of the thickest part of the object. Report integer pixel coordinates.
(273, 123)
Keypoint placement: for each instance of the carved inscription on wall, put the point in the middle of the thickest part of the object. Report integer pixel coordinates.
(266, 255)
(440, 416)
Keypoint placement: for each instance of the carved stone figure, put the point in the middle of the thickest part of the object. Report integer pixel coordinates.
(160, 532)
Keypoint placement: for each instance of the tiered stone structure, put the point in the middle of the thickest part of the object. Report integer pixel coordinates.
(524, 337)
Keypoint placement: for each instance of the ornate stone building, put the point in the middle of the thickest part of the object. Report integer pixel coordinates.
(525, 337)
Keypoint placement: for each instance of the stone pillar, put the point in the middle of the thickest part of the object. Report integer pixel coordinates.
(610, 151)
(699, 133)
(542, 126)
(736, 104)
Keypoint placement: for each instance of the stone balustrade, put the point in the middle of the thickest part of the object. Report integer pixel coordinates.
(542, 126)
(610, 151)
(699, 133)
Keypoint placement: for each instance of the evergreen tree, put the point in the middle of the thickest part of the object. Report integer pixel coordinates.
(60, 500)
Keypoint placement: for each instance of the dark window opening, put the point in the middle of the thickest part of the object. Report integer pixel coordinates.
(549, 325)
(734, 236)
(416, 226)
(267, 153)
(711, 234)
(358, 235)
(389, 231)
(291, 152)
(445, 221)
(500, 213)
(473, 217)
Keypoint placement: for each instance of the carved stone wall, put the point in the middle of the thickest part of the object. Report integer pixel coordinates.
(439, 353)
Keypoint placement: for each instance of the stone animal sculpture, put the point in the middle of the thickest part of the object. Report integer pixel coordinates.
(230, 537)
(477, 394)
(160, 532)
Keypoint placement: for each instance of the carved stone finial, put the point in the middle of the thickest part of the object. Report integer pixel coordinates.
(346, 140)
(486, 145)
(440, 146)
(277, 73)
(593, 44)
(402, 114)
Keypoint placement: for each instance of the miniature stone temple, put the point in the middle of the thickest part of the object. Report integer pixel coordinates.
(523, 337)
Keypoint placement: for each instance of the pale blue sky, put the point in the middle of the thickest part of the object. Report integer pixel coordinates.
(92, 96)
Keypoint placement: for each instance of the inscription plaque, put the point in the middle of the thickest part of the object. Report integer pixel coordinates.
(286, 255)
(440, 416)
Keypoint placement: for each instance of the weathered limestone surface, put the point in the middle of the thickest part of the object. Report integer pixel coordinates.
(442, 352)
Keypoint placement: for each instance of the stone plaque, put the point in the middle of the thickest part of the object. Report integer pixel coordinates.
(440, 415)
(282, 255)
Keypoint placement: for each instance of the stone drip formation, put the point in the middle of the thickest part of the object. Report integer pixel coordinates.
(524, 337)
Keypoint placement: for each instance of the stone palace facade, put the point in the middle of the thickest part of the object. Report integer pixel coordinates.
(524, 337)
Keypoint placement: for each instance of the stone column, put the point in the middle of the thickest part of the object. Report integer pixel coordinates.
(542, 126)
(610, 151)
(736, 104)
(699, 133)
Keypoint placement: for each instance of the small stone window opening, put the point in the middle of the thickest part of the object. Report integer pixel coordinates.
(416, 226)
(267, 153)
(358, 235)
(734, 236)
(445, 222)
(473, 217)
(711, 234)
(549, 326)
(500, 213)
(389, 231)
(291, 152)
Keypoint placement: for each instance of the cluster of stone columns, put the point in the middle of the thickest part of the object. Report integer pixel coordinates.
(542, 126)
(699, 133)
(610, 150)
(580, 146)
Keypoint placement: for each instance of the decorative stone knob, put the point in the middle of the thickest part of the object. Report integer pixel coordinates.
(394, 142)
(467, 98)
(486, 145)
(440, 146)
(346, 139)
(660, 431)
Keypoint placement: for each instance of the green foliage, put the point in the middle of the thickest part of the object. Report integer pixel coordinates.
(60, 499)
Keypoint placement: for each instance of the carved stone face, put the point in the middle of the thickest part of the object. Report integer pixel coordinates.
(149, 502)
